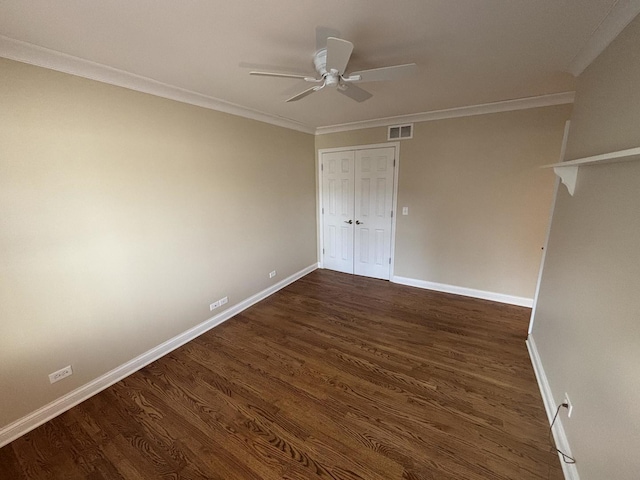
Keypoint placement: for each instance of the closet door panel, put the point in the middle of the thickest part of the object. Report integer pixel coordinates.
(374, 175)
(338, 206)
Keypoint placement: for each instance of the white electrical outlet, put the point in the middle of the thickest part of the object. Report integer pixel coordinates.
(218, 303)
(60, 374)
(405, 210)
(569, 404)
(272, 274)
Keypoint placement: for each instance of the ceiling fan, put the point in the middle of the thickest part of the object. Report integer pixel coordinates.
(331, 65)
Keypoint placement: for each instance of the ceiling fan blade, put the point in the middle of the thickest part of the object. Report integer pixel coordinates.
(385, 73)
(322, 33)
(282, 75)
(356, 93)
(306, 92)
(338, 54)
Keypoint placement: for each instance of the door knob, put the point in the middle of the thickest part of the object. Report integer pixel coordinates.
(349, 222)
(358, 222)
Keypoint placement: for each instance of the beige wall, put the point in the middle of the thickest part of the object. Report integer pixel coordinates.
(587, 325)
(123, 215)
(478, 203)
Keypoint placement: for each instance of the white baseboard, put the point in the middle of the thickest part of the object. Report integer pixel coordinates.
(467, 292)
(570, 471)
(33, 420)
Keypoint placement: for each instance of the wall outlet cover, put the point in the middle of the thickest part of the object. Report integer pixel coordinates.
(60, 374)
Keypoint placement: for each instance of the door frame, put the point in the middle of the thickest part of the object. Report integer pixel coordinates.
(394, 202)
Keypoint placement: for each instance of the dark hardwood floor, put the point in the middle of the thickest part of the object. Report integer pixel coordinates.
(335, 376)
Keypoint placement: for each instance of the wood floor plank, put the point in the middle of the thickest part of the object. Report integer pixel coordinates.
(334, 377)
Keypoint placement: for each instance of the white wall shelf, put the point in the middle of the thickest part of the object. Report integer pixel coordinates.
(568, 171)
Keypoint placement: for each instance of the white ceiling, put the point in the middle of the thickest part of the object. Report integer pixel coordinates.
(468, 52)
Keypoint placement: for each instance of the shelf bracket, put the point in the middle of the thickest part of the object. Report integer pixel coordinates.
(568, 176)
(568, 171)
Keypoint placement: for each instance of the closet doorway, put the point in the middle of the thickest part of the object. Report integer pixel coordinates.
(358, 187)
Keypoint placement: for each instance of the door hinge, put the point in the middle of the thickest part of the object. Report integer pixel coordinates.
(323, 251)
(322, 167)
(389, 260)
(323, 210)
(391, 213)
(394, 162)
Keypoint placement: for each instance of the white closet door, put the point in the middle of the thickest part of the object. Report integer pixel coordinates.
(338, 205)
(374, 173)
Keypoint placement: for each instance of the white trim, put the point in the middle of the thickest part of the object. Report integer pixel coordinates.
(51, 59)
(622, 12)
(544, 256)
(61, 62)
(394, 200)
(568, 171)
(563, 150)
(359, 147)
(630, 154)
(394, 203)
(319, 225)
(565, 140)
(33, 420)
(570, 471)
(496, 107)
(467, 292)
(319, 217)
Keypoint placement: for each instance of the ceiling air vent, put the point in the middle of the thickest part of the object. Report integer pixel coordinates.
(400, 132)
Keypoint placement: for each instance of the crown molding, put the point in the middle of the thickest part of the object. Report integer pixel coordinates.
(468, 111)
(619, 16)
(43, 57)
